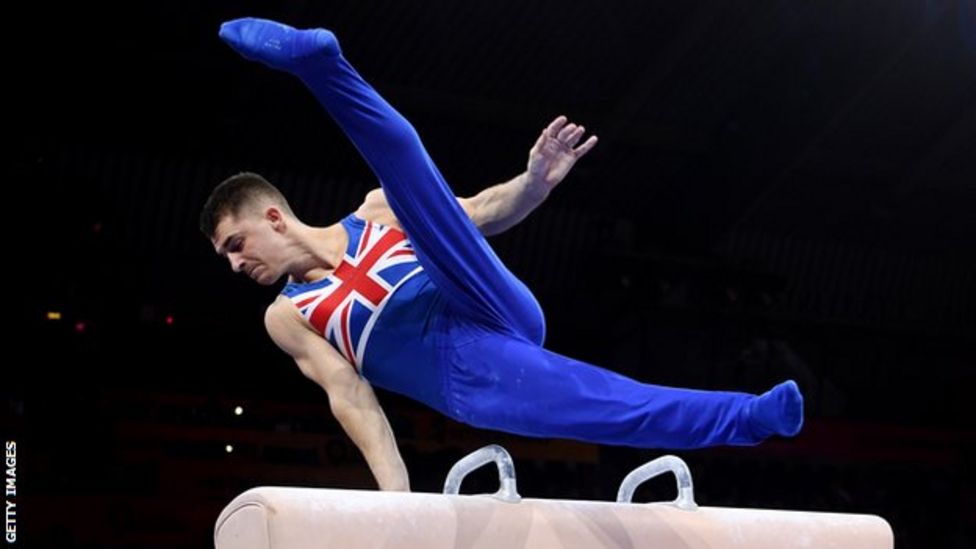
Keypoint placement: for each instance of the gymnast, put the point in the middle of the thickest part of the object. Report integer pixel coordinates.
(406, 294)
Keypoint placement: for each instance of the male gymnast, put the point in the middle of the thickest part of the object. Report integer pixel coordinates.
(406, 294)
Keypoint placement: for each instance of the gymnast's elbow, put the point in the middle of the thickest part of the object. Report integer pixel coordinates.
(343, 409)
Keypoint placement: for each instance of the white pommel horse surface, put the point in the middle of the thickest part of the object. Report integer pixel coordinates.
(306, 518)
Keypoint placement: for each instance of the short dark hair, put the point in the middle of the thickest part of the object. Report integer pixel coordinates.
(236, 193)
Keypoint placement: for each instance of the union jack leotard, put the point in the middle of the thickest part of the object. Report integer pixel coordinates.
(376, 308)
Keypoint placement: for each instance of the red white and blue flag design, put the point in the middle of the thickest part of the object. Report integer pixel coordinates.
(344, 306)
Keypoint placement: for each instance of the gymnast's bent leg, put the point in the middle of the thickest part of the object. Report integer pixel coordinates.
(452, 251)
(503, 383)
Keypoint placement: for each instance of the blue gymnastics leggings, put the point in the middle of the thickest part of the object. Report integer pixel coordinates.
(499, 375)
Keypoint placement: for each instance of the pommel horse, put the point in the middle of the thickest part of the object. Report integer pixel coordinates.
(306, 518)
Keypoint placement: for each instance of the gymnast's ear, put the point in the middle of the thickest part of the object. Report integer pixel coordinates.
(277, 217)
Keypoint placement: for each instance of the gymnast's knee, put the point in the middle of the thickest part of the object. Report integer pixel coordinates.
(534, 327)
(526, 315)
(537, 334)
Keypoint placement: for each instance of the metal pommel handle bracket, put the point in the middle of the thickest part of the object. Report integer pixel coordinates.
(651, 469)
(506, 472)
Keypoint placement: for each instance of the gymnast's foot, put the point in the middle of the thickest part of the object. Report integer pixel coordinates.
(778, 411)
(277, 45)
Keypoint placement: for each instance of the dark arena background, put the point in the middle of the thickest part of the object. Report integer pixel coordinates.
(782, 190)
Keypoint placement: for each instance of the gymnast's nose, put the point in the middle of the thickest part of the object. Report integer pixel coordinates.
(236, 263)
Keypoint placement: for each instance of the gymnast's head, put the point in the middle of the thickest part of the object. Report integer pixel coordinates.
(249, 221)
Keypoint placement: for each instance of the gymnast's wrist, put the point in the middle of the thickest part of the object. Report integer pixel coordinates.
(394, 483)
(533, 189)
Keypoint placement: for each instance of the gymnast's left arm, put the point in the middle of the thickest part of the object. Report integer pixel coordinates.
(499, 208)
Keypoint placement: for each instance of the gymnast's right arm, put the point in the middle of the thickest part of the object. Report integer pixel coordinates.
(351, 398)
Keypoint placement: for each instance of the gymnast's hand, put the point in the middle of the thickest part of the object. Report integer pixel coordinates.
(555, 152)
(277, 45)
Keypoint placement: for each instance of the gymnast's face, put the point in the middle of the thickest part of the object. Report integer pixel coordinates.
(253, 244)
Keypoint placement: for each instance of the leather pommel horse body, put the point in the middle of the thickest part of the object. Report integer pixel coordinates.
(306, 518)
